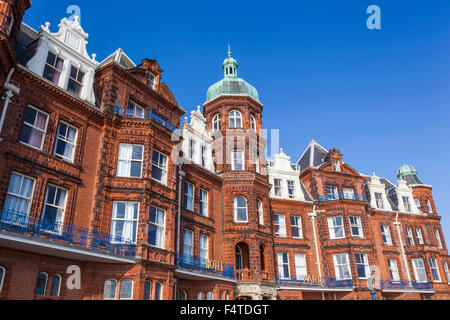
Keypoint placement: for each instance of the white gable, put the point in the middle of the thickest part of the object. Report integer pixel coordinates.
(376, 186)
(68, 43)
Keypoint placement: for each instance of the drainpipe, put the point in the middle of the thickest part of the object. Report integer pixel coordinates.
(181, 175)
(11, 89)
(313, 216)
(405, 260)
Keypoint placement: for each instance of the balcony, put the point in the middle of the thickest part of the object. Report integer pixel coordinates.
(195, 268)
(316, 283)
(30, 233)
(406, 286)
(143, 114)
(341, 196)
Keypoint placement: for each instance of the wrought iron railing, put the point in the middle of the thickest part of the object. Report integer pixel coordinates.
(205, 266)
(316, 282)
(341, 196)
(63, 233)
(143, 114)
(406, 285)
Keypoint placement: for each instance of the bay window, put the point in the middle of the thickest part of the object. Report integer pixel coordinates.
(356, 227)
(156, 227)
(336, 227)
(130, 160)
(124, 222)
(362, 265)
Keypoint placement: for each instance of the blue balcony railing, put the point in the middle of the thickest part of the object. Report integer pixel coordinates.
(205, 266)
(324, 282)
(143, 114)
(341, 196)
(406, 285)
(65, 234)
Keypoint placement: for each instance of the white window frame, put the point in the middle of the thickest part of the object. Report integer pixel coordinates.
(332, 226)
(59, 285)
(137, 108)
(297, 225)
(162, 227)
(410, 236)
(157, 164)
(393, 270)
(45, 286)
(430, 209)
(216, 122)
(115, 291)
(349, 193)
(236, 209)
(282, 264)
(418, 268)
(278, 187)
(129, 161)
(342, 264)
(204, 246)
(365, 263)
(333, 195)
(204, 208)
(434, 267)
(357, 223)
(150, 83)
(203, 155)
(64, 140)
(54, 67)
(236, 160)
(419, 236)
(192, 149)
(188, 244)
(437, 235)
(120, 290)
(386, 234)
(280, 222)
(234, 117)
(189, 198)
(260, 209)
(30, 200)
(161, 290)
(69, 78)
(62, 208)
(300, 266)
(379, 200)
(291, 189)
(134, 221)
(446, 271)
(209, 296)
(252, 123)
(336, 165)
(44, 132)
(200, 296)
(406, 203)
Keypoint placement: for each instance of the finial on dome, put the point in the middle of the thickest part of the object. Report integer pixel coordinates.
(229, 51)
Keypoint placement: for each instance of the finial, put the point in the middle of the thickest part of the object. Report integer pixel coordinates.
(229, 51)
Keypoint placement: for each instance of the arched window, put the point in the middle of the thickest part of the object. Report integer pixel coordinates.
(56, 285)
(261, 256)
(2, 277)
(126, 289)
(41, 286)
(239, 262)
(252, 123)
(148, 290)
(235, 119)
(240, 209)
(209, 296)
(201, 296)
(185, 295)
(110, 289)
(158, 291)
(259, 207)
(177, 295)
(216, 122)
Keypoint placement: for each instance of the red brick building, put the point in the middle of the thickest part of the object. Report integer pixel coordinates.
(105, 194)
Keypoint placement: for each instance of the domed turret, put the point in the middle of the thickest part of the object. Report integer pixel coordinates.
(231, 84)
(409, 174)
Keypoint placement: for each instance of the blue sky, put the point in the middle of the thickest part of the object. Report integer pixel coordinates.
(380, 96)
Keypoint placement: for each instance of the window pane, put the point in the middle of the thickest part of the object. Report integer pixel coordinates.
(109, 290)
(56, 283)
(41, 284)
(126, 289)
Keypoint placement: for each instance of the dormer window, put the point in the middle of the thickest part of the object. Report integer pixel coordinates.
(336, 166)
(53, 68)
(135, 110)
(75, 83)
(291, 189)
(379, 200)
(406, 204)
(417, 203)
(430, 209)
(151, 80)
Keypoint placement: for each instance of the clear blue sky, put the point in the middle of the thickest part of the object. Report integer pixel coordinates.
(381, 97)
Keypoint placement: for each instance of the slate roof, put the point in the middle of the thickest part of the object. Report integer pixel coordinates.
(313, 157)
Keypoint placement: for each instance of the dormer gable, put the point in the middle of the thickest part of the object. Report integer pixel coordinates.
(62, 58)
(149, 73)
(333, 162)
(405, 198)
(377, 194)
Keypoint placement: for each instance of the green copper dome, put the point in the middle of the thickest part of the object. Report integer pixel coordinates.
(231, 84)
(406, 170)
